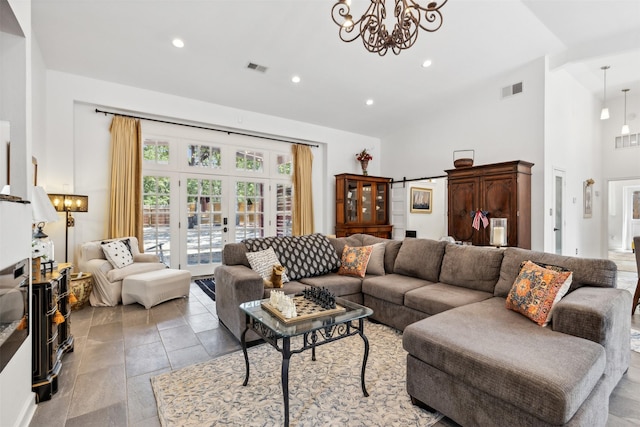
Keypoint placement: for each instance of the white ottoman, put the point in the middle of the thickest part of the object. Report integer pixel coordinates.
(154, 287)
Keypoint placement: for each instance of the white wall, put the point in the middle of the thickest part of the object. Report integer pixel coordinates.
(572, 144)
(77, 143)
(497, 129)
(616, 229)
(17, 401)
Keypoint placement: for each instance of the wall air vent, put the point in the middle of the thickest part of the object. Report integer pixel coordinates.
(257, 67)
(511, 90)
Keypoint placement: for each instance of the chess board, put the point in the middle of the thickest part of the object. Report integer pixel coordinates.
(305, 308)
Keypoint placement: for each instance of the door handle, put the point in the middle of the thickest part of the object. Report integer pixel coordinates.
(555, 229)
(225, 229)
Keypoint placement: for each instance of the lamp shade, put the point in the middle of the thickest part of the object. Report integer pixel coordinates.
(69, 202)
(43, 210)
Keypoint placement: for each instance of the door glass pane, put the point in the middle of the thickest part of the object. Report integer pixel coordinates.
(204, 156)
(204, 221)
(351, 201)
(249, 161)
(380, 201)
(367, 203)
(156, 219)
(249, 210)
(283, 209)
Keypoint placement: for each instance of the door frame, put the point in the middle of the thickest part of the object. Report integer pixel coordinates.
(557, 172)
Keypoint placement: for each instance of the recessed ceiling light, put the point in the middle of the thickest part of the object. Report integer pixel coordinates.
(369, 102)
(426, 64)
(295, 79)
(178, 43)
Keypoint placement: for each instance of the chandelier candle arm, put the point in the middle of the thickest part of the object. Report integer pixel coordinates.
(371, 28)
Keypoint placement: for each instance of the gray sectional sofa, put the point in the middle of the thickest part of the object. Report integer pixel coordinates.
(468, 356)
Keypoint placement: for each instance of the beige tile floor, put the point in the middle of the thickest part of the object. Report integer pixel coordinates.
(105, 381)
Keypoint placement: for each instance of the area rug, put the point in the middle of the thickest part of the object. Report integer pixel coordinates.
(208, 286)
(326, 392)
(635, 340)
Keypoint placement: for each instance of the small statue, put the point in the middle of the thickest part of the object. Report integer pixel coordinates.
(276, 277)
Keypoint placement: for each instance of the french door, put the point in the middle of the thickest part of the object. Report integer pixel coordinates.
(199, 194)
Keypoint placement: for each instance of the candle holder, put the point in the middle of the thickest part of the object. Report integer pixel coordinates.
(498, 232)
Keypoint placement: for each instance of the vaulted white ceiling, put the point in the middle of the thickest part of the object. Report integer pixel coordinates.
(129, 42)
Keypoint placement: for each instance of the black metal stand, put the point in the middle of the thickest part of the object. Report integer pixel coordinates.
(311, 340)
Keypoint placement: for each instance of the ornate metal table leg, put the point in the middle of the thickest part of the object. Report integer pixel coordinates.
(366, 355)
(244, 350)
(286, 356)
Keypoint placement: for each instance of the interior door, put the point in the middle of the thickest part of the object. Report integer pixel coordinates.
(558, 210)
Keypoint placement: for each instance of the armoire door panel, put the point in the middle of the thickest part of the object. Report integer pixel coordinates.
(462, 196)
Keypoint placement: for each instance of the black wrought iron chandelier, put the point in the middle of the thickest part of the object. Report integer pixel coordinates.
(410, 17)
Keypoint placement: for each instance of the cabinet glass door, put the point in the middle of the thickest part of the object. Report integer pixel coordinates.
(351, 202)
(367, 202)
(381, 197)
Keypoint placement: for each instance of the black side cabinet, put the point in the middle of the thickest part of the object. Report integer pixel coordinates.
(51, 336)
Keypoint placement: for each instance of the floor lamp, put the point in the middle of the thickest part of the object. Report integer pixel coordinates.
(69, 203)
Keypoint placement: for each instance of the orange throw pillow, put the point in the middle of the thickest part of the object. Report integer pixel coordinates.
(355, 260)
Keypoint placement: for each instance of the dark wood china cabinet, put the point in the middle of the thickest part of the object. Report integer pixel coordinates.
(362, 205)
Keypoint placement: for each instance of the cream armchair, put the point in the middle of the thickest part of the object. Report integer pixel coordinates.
(107, 280)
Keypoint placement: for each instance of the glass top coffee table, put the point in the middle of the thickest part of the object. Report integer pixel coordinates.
(316, 331)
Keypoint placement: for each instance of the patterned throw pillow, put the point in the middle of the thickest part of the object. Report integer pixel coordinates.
(303, 256)
(355, 260)
(536, 290)
(117, 253)
(262, 262)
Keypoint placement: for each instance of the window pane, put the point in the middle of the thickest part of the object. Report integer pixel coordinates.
(155, 152)
(156, 216)
(284, 162)
(250, 161)
(204, 156)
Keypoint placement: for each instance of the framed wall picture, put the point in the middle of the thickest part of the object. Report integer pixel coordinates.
(587, 198)
(421, 200)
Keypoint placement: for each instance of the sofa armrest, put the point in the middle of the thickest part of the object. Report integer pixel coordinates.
(601, 315)
(236, 284)
(146, 258)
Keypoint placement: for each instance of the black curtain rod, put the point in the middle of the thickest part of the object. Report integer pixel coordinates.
(228, 132)
(405, 180)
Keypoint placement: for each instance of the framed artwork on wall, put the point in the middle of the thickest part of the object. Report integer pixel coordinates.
(421, 200)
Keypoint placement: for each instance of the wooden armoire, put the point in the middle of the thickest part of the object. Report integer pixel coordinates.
(503, 190)
(362, 205)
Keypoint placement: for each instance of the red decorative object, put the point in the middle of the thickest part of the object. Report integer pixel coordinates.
(363, 157)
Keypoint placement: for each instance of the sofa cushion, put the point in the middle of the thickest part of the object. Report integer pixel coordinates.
(339, 243)
(473, 267)
(117, 274)
(391, 287)
(439, 297)
(289, 288)
(544, 373)
(586, 272)
(262, 262)
(391, 250)
(355, 260)
(376, 260)
(303, 256)
(336, 283)
(420, 258)
(536, 290)
(117, 253)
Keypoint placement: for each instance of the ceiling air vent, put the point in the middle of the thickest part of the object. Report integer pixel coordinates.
(511, 90)
(257, 67)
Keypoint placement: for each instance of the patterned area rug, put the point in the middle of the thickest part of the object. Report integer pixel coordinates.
(635, 340)
(208, 286)
(326, 392)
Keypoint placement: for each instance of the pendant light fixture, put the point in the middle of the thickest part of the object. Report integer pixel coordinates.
(604, 114)
(625, 126)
